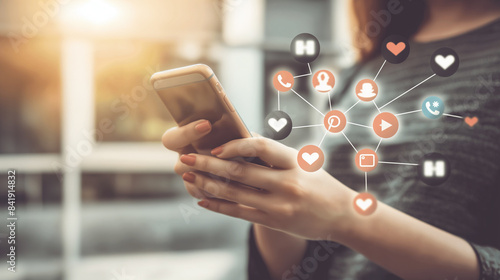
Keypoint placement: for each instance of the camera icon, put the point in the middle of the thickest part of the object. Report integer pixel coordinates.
(366, 160)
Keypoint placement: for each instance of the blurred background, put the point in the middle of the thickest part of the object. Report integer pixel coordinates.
(96, 194)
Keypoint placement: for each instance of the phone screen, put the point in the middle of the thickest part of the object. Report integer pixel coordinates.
(198, 100)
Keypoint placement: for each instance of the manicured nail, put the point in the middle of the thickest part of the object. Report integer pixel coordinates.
(203, 127)
(188, 159)
(216, 151)
(188, 177)
(203, 203)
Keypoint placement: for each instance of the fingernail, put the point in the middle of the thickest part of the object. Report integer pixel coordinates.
(203, 203)
(216, 151)
(188, 177)
(188, 159)
(203, 127)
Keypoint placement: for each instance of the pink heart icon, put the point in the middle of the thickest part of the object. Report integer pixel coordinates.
(396, 49)
(471, 121)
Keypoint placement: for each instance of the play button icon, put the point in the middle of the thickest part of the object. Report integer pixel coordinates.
(385, 125)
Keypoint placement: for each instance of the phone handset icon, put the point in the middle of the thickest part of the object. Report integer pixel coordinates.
(428, 107)
(280, 80)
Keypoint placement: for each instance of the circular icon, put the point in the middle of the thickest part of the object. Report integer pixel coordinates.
(323, 81)
(395, 49)
(310, 158)
(444, 62)
(283, 81)
(434, 169)
(385, 125)
(365, 203)
(279, 125)
(335, 121)
(366, 90)
(366, 160)
(305, 48)
(433, 107)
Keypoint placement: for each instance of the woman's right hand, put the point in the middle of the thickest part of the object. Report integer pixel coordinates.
(180, 140)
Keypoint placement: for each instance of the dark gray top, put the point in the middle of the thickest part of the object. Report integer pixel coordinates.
(468, 203)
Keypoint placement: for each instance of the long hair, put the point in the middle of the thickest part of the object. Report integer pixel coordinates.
(373, 20)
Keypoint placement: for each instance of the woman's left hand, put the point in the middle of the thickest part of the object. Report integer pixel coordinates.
(311, 205)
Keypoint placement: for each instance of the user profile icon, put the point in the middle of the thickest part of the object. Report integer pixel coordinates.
(323, 81)
(366, 90)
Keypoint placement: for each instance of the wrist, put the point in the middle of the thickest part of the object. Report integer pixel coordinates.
(345, 224)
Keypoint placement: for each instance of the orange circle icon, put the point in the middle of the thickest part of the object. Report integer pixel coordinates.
(385, 125)
(366, 90)
(335, 121)
(323, 81)
(283, 81)
(310, 158)
(366, 160)
(365, 203)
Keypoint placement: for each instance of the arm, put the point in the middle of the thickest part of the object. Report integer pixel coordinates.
(279, 250)
(408, 247)
(317, 206)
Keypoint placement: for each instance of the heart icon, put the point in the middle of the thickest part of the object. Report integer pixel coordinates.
(310, 158)
(396, 49)
(471, 121)
(364, 204)
(444, 62)
(277, 124)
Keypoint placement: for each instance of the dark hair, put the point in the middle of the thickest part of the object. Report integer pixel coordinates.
(373, 20)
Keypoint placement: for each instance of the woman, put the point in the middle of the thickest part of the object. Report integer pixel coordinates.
(304, 225)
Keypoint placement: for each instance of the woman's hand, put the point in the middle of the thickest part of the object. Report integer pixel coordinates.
(308, 205)
(180, 139)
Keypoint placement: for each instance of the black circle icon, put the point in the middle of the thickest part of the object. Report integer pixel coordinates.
(278, 125)
(305, 48)
(395, 49)
(444, 62)
(434, 169)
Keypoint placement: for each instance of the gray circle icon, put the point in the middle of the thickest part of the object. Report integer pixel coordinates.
(305, 48)
(278, 125)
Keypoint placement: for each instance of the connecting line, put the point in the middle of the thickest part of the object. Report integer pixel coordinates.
(379, 70)
(324, 135)
(431, 76)
(454, 116)
(398, 163)
(378, 145)
(362, 125)
(349, 141)
(307, 102)
(366, 182)
(278, 100)
(400, 114)
(311, 125)
(329, 101)
(378, 109)
(308, 74)
(351, 107)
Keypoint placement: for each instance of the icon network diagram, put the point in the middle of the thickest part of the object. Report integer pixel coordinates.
(433, 168)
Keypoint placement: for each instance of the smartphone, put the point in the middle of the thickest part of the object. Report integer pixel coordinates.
(192, 93)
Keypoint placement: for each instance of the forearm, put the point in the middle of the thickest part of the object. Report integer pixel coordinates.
(409, 247)
(280, 251)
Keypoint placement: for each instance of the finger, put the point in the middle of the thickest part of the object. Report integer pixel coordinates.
(228, 190)
(181, 168)
(243, 172)
(234, 210)
(177, 138)
(272, 152)
(193, 190)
